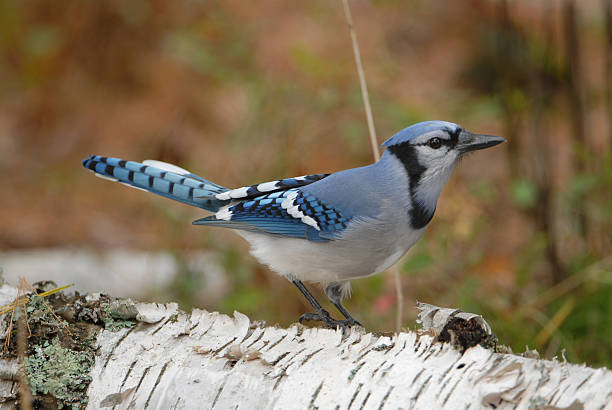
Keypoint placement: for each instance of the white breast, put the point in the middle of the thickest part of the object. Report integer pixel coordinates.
(352, 256)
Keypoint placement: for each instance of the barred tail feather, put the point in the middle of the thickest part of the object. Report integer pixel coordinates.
(160, 178)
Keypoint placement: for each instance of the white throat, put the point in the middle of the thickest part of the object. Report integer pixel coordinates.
(431, 183)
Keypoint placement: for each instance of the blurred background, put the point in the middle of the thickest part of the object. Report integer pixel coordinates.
(243, 92)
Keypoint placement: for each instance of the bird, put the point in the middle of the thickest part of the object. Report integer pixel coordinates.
(325, 229)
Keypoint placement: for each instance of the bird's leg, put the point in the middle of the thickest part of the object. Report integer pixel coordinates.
(334, 293)
(320, 314)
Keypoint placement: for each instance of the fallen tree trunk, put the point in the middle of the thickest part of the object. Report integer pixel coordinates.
(169, 359)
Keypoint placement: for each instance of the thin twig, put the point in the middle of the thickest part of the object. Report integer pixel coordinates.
(607, 4)
(362, 81)
(7, 341)
(21, 300)
(25, 395)
(556, 321)
(374, 142)
(25, 309)
(400, 295)
(11, 306)
(49, 308)
(25, 299)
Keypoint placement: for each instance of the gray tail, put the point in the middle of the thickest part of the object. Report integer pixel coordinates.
(161, 179)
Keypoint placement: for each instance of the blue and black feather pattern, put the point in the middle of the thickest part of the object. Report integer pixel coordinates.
(253, 191)
(309, 219)
(255, 208)
(188, 188)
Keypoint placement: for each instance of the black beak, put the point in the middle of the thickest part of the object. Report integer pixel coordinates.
(471, 142)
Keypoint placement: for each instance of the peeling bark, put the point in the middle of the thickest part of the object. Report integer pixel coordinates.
(176, 360)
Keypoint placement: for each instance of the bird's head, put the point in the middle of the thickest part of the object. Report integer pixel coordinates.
(429, 151)
(436, 145)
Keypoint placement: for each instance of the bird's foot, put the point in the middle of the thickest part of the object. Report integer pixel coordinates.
(353, 322)
(324, 317)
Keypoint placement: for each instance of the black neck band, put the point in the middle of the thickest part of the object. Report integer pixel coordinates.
(419, 215)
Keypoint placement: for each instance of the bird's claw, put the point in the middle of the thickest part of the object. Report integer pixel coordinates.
(324, 317)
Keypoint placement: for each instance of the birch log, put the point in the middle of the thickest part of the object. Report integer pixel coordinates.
(176, 360)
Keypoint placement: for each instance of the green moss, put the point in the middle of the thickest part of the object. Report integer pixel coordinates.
(112, 321)
(60, 372)
(39, 313)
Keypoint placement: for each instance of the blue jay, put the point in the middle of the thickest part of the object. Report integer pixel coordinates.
(323, 228)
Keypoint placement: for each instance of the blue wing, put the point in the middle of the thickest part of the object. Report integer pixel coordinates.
(290, 213)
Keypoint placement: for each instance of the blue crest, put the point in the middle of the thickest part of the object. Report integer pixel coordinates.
(418, 129)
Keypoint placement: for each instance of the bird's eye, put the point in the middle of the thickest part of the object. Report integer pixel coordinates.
(435, 143)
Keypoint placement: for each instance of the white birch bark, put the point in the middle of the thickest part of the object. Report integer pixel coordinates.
(210, 360)
(200, 360)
